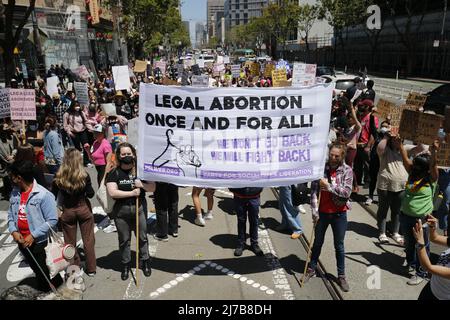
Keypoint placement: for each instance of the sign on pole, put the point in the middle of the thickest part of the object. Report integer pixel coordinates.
(23, 105)
(5, 110)
(81, 90)
(396, 116)
(121, 76)
(233, 137)
(52, 85)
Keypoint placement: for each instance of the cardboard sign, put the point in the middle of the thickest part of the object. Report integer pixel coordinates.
(140, 66)
(52, 85)
(236, 70)
(282, 64)
(447, 120)
(5, 110)
(201, 63)
(385, 108)
(162, 65)
(396, 116)
(268, 71)
(169, 82)
(23, 104)
(419, 127)
(196, 69)
(81, 90)
(443, 155)
(279, 78)
(416, 99)
(254, 69)
(304, 75)
(200, 81)
(121, 75)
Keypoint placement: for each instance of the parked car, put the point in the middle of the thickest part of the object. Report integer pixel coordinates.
(323, 71)
(438, 99)
(342, 82)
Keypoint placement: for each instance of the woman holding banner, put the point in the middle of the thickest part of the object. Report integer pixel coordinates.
(127, 190)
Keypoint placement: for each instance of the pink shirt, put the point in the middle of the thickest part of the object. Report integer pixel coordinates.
(100, 151)
(365, 133)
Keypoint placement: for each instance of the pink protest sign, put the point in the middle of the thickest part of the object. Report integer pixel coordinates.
(23, 105)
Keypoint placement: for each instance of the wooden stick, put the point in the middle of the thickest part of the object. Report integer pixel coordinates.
(137, 241)
(24, 141)
(310, 245)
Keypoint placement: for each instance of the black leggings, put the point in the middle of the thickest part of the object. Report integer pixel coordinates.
(79, 140)
(426, 293)
(100, 173)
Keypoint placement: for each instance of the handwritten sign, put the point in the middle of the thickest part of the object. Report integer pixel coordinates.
(236, 70)
(385, 108)
(416, 99)
(304, 75)
(419, 127)
(23, 105)
(82, 72)
(161, 65)
(396, 116)
(254, 69)
(5, 110)
(268, 70)
(52, 85)
(279, 77)
(121, 75)
(81, 90)
(169, 82)
(443, 156)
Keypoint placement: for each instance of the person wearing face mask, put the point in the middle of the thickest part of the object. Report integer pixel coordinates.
(93, 118)
(123, 186)
(75, 126)
(53, 147)
(335, 190)
(417, 203)
(8, 150)
(59, 108)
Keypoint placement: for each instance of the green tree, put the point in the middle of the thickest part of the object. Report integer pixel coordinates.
(307, 15)
(12, 35)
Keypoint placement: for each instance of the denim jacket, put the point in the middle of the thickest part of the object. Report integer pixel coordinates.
(342, 188)
(40, 208)
(53, 147)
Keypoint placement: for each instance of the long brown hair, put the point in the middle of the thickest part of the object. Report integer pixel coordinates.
(133, 150)
(71, 176)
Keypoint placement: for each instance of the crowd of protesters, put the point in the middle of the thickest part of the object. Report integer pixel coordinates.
(69, 137)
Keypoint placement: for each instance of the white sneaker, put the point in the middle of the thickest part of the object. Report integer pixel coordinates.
(368, 201)
(415, 280)
(208, 216)
(110, 229)
(200, 221)
(301, 209)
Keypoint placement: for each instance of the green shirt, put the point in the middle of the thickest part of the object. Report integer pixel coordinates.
(418, 203)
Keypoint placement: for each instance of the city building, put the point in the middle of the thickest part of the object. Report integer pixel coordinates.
(238, 12)
(199, 34)
(213, 6)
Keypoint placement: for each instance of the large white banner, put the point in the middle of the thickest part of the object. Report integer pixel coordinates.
(233, 137)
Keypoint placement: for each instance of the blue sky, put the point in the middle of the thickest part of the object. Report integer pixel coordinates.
(193, 11)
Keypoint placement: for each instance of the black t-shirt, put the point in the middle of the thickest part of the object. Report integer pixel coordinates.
(125, 182)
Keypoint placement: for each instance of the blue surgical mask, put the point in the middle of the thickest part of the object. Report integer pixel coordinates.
(441, 133)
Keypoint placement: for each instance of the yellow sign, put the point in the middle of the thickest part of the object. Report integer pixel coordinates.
(279, 78)
(93, 8)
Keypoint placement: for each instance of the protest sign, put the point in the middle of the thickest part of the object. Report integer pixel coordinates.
(279, 77)
(70, 86)
(81, 90)
(133, 131)
(200, 81)
(416, 99)
(140, 66)
(82, 72)
(121, 75)
(419, 127)
(233, 137)
(396, 116)
(236, 70)
(169, 82)
(52, 85)
(447, 120)
(219, 60)
(385, 108)
(254, 69)
(5, 110)
(109, 109)
(443, 155)
(304, 75)
(22, 103)
(201, 63)
(282, 64)
(226, 59)
(268, 70)
(161, 65)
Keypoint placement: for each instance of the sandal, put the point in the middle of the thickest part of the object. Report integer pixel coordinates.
(398, 239)
(383, 238)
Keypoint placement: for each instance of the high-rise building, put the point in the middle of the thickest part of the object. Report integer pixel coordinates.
(239, 12)
(212, 7)
(187, 26)
(199, 34)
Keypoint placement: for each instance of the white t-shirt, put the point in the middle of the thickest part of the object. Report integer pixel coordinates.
(441, 286)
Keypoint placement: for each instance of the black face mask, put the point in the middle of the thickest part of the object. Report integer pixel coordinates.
(127, 160)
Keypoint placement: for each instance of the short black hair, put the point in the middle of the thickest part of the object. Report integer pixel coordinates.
(22, 169)
(370, 84)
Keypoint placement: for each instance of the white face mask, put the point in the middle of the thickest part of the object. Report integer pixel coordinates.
(77, 108)
(384, 130)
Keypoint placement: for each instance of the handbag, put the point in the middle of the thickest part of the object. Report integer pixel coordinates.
(57, 253)
(104, 198)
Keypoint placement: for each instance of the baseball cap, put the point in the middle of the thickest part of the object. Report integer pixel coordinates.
(98, 128)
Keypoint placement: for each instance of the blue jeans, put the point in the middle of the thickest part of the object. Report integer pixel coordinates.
(244, 208)
(407, 224)
(338, 222)
(443, 210)
(289, 214)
